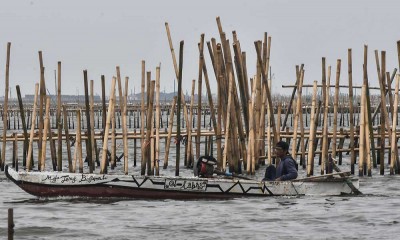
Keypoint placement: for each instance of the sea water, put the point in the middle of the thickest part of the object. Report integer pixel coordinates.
(373, 215)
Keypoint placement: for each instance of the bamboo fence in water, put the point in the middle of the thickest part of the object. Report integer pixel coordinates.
(239, 125)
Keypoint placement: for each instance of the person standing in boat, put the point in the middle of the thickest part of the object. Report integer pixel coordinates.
(286, 169)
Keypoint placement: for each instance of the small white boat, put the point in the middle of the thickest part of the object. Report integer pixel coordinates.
(60, 184)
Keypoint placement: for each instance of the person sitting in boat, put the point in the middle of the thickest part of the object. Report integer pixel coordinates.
(204, 166)
(286, 169)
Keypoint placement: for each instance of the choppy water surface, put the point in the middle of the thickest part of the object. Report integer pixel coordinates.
(374, 215)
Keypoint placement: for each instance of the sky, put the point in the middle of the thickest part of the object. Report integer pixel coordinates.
(98, 35)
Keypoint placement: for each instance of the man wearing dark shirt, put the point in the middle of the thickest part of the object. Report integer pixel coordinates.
(286, 169)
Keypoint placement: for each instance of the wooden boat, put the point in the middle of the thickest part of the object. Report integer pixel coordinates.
(59, 184)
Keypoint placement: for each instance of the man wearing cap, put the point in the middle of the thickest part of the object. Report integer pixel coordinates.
(286, 169)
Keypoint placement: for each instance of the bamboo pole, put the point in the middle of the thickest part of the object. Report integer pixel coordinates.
(228, 122)
(242, 81)
(264, 73)
(250, 152)
(105, 141)
(170, 125)
(269, 147)
(351, 110)
(394, 123)
(367, 144)
(362, 133)
(88, 125)
(41, 102)
(297, 114)
(189, 127)
(67, 139)
(178, 115)
(302, 144)
(24, 125)
(113, 139)
(79, 140)
(103, 98)
(325, 90)
(335, 108)
(199, 93)
(142, 119)
(151, 154)
(45, 130)
(386, 92)
(59, 121)
(15, 153)
(121, 103)
(382, 146)
(185, 111)
(92, 133)
(5, 106)
(370, 140)
(209, 95)
(278, 122)
(310, 157)
(382, 76)
(28, 160)
(52, 144)
(125, 130)
(149, 134)
(157, 140)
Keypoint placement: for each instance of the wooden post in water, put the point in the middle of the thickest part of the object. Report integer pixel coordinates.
(5, 110)
(28, 160)
(178, 115)
(44, 140)
(103, 169)
(170, 125)
(11, 224)
(67, 139)
(79, 154)
(59, 121)
(15, 161)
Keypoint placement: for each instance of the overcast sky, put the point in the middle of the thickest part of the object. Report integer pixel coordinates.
(99, 35)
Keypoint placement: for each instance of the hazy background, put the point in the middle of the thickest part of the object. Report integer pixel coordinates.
(98, 35)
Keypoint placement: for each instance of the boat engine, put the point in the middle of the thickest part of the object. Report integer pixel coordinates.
(204, 166)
